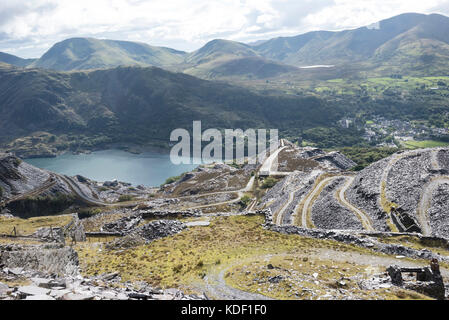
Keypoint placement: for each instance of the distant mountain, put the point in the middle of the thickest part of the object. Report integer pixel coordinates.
(220, 49)
(414, 44)
(411, 43)
(87, 53)
(227, 59)
(413, 39)
(15, 61)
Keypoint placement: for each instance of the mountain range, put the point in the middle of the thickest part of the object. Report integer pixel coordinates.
(409, 43)
(84, 92)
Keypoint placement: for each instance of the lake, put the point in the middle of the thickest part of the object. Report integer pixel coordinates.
(148, 169)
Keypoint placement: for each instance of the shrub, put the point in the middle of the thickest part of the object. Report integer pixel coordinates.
(177, 268)
(244, 201)
(125, 198)
(172, 179)
(269, 183)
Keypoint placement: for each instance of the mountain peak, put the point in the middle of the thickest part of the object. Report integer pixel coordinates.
(90, 53)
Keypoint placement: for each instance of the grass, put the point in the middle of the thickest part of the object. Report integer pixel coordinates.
(183, 259)
(26, 227)
(245, 201)
(425, 144)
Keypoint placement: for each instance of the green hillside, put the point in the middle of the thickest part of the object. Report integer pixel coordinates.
(381, 43)
(87, 53)
(141, 105)
(15, 61)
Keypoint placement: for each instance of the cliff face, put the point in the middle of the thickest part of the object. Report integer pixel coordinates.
(27, 191)
(18, 177)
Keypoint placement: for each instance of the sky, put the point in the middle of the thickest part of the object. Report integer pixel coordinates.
(28, 28)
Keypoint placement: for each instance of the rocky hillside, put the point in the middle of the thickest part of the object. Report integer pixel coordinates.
(28, 191)
(406, 192)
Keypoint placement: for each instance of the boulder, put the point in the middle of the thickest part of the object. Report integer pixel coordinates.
(33, 291)
(78, 297)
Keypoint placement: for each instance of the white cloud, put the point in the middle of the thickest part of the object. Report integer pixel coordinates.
(29, 29)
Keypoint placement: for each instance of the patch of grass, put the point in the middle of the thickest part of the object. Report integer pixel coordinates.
(269, 182)
(425, 144)
(227, 240)
(387, 207)
(245, 201)
(366, 156)
(172, 180)
(125, 198)
(26, 227)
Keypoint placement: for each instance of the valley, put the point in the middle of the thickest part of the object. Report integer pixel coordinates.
(352, 204)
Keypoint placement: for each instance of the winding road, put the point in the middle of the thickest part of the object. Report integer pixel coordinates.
(215, 285)
(264, 170)
(217, 288)
(278, 217)
(362, 216)
(306, 212)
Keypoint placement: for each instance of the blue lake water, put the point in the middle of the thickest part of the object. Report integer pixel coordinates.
(148, 169)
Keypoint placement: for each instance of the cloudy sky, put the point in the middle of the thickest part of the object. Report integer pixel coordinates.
(30, 27)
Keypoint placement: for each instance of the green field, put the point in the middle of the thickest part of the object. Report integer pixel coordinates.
(424, 144)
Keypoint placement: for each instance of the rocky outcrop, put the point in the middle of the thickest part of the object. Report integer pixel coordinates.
(50, 258)
(124, 225)
(18, 177)
(103, 287)
(147, 233)
(209, 179)
(75, 230)
(336, 160)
